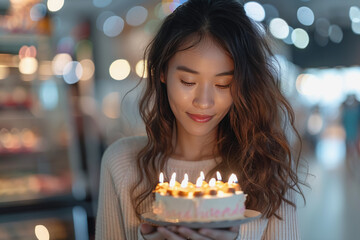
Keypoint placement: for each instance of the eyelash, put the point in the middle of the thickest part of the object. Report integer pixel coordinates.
(191, 84)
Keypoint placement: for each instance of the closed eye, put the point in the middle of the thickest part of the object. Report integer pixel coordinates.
(223, 86)
(187, 83)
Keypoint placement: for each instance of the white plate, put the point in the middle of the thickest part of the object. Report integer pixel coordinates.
(250, 215)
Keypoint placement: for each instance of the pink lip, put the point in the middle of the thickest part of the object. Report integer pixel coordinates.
(200, 118)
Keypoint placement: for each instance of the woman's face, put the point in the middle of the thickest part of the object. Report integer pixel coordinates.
(198, 86)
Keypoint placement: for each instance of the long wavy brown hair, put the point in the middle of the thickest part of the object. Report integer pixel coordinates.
(252, 138)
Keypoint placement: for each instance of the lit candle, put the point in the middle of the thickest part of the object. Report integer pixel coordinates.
(213, 190)
(218, 176)
(161, 187)
(233, 186)
(171, 190)
(161, 178)
(198, 191)
(183, 188)
(202, 175)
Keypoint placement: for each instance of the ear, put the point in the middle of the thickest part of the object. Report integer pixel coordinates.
(162, 78)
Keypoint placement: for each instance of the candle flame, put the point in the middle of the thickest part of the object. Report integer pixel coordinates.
(173, 176)
(186, 176)
(199, 182)
(172, 182)
(184, 182)
(161, 178)
(232, 179)
(212, 182)
(202, 175)
(218, 176)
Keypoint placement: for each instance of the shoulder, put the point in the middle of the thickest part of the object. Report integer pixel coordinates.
(123, 152)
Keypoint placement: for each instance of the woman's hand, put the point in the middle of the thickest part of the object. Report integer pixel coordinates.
(183, 233)
(150, 232)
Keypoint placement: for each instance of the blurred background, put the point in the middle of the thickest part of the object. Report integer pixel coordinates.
(65, 66)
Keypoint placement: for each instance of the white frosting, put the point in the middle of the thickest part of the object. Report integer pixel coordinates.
(204, 209)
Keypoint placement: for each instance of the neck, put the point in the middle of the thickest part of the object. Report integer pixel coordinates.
(194, 148)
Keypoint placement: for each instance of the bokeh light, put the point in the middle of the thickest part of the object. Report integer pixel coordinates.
(168, 6)
(355, 27)
(300, 38)
(27, 51)
(88, 69)
(279, 28)
(141, 69)
(38, 12)
(101, 3)
(255, 11)
(335, 33)
(49, 95)
(72, 72)
(331, 149)
(113, 26)
(4, 72)
(120, 69)
(322, 27)
(136, 16)
(41, 232)
(83, 49)
(111, 105)
(308, 85)
(315, 123)
(59, 62)
(28, 65)
(354, 14)
(159, 12)
(305, 16)
(55, 5)
(100, 20)
(66, 45)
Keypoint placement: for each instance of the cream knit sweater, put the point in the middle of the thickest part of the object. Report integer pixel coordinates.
(116, 217)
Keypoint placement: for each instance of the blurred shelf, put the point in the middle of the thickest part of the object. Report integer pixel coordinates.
(18, 114)
(27, 154)
(60, 223)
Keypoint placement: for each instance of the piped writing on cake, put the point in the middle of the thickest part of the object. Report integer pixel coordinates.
(202, 213)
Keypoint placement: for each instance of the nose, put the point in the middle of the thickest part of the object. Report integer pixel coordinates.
(204, 97)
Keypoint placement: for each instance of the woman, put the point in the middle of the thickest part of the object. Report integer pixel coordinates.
(211, 103)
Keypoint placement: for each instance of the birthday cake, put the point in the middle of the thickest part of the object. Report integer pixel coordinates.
(200, 202)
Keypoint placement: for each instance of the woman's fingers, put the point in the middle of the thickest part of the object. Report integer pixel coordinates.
(188, 233)
(147, 228)
(169, 235)
(218, 234)
(235, 229)
(154, 236)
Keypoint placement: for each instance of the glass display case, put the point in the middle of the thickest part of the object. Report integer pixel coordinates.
(41, 171)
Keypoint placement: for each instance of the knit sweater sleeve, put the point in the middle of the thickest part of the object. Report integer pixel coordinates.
(287, 228)
(109, 221)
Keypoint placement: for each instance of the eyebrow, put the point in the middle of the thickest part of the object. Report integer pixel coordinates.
(186, 69)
